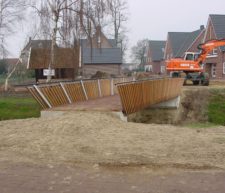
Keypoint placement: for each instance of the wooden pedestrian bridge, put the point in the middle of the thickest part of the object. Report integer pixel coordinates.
(118, 95)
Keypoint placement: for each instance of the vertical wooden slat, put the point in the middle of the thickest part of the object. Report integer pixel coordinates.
(38, 98)
(43, 96)
(138, 95)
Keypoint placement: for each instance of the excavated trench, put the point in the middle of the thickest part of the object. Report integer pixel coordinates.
(193, 108)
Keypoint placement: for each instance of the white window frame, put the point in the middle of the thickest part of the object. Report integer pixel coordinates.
(163, 69)
(215, 51)
(224, 68)
(213, 71)
(148, 68)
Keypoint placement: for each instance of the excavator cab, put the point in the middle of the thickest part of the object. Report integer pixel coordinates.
(191, 56)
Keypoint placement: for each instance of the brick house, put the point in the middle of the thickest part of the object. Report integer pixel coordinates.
(215, 62)
(154, 56)
(180, 42)
(100, 54)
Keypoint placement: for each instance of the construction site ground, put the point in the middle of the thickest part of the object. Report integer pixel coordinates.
(90, 151)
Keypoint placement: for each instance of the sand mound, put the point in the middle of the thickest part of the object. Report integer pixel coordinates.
(94, 137)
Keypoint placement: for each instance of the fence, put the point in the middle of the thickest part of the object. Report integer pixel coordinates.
(53, 95)
(139, 95)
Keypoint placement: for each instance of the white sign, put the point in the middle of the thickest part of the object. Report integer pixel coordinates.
(48, 72)
(185, 65)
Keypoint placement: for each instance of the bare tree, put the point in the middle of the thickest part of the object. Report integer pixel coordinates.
(118, 12)
(69, 19)
(11, 11)
(118, 9)
(138, 51)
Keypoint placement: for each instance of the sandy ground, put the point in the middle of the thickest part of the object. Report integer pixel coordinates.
(100, 138)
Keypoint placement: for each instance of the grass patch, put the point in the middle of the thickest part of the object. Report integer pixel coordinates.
(18, 108)
(216, 108)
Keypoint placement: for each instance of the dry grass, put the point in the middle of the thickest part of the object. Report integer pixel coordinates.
(101, 138)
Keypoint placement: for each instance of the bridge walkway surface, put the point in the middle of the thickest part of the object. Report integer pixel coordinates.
(110, 103)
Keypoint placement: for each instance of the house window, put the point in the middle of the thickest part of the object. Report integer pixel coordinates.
(214, 52)
(224, 68)
(148, 68)
(213, 71)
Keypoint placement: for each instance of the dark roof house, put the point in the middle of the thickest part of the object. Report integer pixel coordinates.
(153, 57)
(215, 62)
(215, 28)
(101, 54)
(218, 22)
(157, 49)
(180, 42)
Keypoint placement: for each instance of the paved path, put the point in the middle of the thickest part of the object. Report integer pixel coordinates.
(24, 178)
(111, 103)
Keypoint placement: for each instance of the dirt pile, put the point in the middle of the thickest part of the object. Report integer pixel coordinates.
(194, 105)
(102, 138)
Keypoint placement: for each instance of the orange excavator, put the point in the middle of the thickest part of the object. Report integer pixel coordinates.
(192, 64)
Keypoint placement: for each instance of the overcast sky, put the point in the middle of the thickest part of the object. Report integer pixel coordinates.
(152, 19)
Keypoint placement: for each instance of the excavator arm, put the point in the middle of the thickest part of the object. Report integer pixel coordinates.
(186, 65)
(207, 47)
(191, 65)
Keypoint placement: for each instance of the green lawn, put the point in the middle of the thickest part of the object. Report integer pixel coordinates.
(216, 108)
(18, 108)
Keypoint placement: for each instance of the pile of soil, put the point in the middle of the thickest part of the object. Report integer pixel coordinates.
(194, 104)
(101, 138)
(100, 74)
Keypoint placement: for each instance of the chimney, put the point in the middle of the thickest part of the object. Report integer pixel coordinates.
(202, 27)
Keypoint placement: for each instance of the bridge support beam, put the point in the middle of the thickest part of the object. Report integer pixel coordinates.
(170, 104)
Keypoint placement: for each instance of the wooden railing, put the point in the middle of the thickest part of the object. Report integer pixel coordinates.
(57, 94)
(138, 95)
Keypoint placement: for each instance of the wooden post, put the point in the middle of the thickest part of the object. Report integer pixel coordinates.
(65, 92)
(42, 96)
(85, 93)
(112, 87)
(99, 88)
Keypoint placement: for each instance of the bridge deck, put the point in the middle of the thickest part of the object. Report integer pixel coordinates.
(111, 103)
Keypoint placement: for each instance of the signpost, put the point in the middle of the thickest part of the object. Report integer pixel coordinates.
(49, 72)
